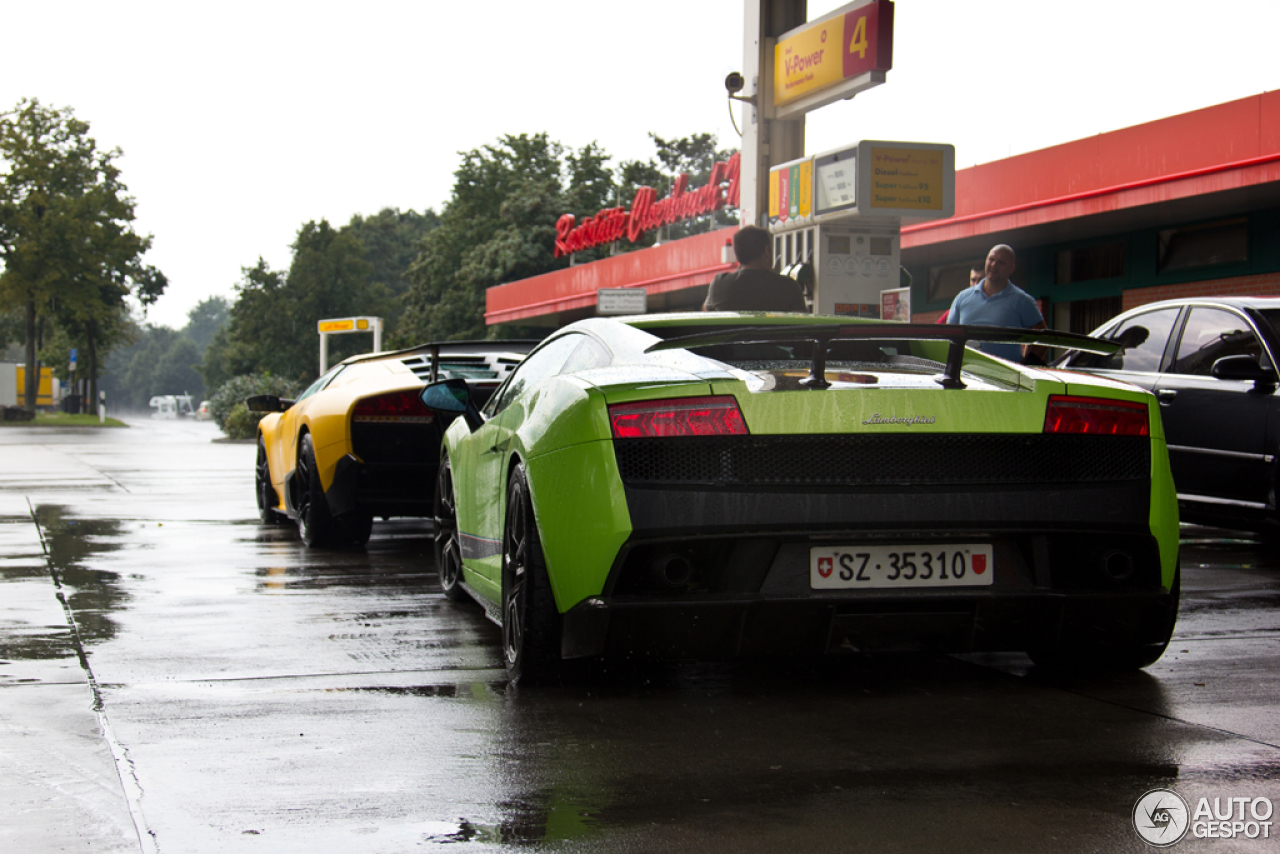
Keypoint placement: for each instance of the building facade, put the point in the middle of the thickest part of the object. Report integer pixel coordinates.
(1184, 205)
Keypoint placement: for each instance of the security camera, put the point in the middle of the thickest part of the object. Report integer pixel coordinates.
(734, 83)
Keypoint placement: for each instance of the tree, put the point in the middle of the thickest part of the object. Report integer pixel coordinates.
(691, 155)
(391, 241)
(158, 360)
(272, 325)
(66, 239)
(204, 321)
(498, 226)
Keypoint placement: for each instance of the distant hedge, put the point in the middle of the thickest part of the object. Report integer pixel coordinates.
(227, 408)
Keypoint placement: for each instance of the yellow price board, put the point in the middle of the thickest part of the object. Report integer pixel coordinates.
(907, 178)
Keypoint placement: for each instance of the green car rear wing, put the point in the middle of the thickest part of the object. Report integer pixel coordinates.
(820, 337)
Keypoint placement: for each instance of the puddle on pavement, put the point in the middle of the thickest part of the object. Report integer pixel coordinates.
(524, 823)
(92, 594)
(316, 570)
(485, 691)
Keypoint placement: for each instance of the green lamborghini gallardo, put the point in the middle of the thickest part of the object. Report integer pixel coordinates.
(747, 484)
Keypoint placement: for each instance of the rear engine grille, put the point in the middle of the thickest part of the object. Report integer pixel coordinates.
(839, 461)
(391, 444)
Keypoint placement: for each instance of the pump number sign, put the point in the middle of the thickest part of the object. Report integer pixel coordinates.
(836, 56)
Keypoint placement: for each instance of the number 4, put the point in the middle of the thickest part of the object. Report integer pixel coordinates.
(859, 43)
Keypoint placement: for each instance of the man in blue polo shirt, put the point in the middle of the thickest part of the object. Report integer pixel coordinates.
(996, 301)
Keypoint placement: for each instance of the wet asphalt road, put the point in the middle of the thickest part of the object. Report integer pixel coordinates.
(175, 677)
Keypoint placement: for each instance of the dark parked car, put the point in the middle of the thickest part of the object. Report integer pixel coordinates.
(1211, 363)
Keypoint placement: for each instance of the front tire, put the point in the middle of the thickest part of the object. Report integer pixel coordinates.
(315, 523)
(530, 622)
(447, 548)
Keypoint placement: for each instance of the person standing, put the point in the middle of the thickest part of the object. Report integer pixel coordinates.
(996, 301)
(753, 286)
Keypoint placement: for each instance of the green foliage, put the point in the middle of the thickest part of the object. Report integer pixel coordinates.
(358, 269)
(10, 326)
(70, 254)
(391, 239)
(499, 226)
(158, 361)
(204, 321)
(692, 155)
(61, 419)
(426, 275)
(235, 390)
(241, 423)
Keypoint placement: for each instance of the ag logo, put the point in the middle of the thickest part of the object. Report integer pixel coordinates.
(1161, 817)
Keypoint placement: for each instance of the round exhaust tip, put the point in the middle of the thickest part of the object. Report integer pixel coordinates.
(672, 570)
(1118, 565)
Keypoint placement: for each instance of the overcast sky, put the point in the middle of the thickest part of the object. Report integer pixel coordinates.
(241, 121)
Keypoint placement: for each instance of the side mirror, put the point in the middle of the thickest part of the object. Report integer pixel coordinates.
(1245, 369)
(453, 397)
(267, 403)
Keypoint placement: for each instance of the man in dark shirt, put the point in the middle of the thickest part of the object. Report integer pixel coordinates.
(753, 286)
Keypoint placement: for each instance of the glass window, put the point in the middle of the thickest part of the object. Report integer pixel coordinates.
(1222, 242)
(544, 362)
(1088, 263)
(946, 282)
(320, 384)
(1212, 334)
(589, 354)
(1143, 337)
(1272, 316)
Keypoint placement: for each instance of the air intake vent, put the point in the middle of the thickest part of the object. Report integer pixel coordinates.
(807, 462)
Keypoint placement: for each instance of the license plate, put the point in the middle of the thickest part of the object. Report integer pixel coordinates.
(923, 565)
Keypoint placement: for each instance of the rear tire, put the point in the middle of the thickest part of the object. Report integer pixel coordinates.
(1128, 657)
(266, 494)
(356, 527)
(531, 624)
(315, 523)
(447, 548)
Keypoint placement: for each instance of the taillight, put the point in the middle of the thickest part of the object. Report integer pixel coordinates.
(1096, 416)
(686, 416)
(403, 407)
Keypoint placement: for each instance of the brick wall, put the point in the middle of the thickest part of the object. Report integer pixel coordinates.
(1261, 285)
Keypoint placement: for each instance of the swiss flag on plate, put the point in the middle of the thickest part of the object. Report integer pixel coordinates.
(825, 566)
(979, 564)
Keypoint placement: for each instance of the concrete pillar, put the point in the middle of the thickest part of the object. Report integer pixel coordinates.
(766, 141)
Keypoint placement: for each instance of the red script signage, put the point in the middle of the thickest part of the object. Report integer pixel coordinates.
(648, 212)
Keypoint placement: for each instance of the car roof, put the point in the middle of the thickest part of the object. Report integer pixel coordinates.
(1255, 302)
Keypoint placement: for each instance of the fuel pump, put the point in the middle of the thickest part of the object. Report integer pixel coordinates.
(837, 219)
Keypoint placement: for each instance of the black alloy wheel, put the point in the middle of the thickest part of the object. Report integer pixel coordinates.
(266, 494)
(315, 524)
(448, 550)
(530, 621)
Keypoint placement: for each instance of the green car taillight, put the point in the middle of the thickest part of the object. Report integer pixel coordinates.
(1096, 416)
(685, 416)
